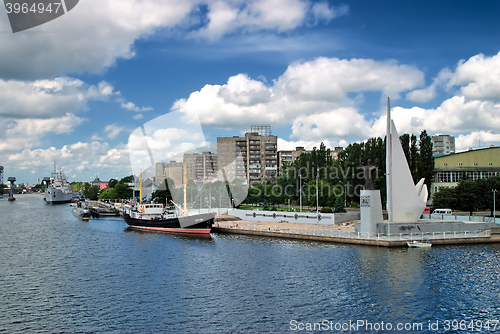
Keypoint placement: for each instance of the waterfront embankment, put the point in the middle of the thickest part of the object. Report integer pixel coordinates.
(345, 233)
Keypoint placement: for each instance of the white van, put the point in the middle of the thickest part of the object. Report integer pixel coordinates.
(442, 212)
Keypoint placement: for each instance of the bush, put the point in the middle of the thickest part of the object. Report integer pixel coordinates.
(326, 209)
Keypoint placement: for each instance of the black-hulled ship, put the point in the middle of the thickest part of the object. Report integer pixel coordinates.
(154, 217)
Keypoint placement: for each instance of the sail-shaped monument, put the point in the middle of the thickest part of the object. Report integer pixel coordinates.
(405, 200)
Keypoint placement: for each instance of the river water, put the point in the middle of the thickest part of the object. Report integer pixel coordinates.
(60, 274)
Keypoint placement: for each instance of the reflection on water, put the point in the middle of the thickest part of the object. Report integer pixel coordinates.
(58, 273)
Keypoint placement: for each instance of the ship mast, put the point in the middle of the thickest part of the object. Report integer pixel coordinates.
(185, 188)
(140, 188)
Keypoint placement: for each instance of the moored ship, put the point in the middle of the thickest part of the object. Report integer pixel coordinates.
(58, 188)
(81, 211)
(154, 217)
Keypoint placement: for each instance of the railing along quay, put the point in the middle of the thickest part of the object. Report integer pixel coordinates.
(343, 236)
(359, 235)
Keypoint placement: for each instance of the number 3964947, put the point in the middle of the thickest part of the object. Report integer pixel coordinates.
(39, 8)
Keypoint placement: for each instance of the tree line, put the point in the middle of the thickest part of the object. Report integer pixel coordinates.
(217, 194)
(341, 179)
(115, 190)
(469, 195)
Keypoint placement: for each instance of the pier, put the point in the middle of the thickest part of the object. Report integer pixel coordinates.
(346, 234)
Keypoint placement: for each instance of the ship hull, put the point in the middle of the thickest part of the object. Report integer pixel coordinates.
(57, 196)
(81, 213)
(198, 224)
(103, 213)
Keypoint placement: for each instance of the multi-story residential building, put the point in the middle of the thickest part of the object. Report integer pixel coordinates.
(443, 144)
(252, 158)
(474, 164)
(335, 152)
(200, 166)
(173, 170)
(291, 155)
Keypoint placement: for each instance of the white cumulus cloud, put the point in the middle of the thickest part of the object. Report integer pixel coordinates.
(132, 107)
(310, 88)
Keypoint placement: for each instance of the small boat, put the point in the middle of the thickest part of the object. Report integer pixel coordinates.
(81, 211)
(99, 212)
(423, 243)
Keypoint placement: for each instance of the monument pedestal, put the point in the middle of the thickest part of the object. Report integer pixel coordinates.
(371, 212)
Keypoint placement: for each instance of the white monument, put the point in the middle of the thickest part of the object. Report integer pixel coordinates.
(371, 212)
(405, 200)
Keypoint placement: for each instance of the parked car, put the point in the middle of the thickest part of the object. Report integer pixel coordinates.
(442, 212)
(428, 210)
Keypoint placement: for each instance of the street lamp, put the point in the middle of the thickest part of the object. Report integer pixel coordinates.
(300, 191)
(494, 191)
(317, 201)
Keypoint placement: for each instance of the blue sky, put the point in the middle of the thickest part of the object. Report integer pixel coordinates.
(74, 90)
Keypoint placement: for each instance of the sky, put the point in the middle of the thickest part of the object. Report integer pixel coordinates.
(115, 85)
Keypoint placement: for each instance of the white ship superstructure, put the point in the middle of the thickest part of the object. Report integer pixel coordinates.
(58, 188)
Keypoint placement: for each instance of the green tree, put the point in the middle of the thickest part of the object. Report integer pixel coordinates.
(339, 205)
(491, 184)
(445, 198)
(253, 196)
(91, 192)
(36, 188)
(123, 191)
(426, 160)
(405, 144)
(107, 194)
(468, 194)
(414, 156)
(112, 183)
(325, 190)
(127, 179)
(191, 192)
(164, 193)
(77, 186)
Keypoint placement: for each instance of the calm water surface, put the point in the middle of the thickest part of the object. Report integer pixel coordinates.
(60, 274)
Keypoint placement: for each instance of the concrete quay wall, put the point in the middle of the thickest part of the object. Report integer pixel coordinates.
(494, 238)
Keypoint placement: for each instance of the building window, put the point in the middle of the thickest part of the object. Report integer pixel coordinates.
(446, 164)
(460, 164)
(490, 164)
(475, 164)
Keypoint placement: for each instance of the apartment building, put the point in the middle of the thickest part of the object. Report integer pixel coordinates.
(201, 166)
(173, 170)
(251, 159)
(291, 155)
(443, 144)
